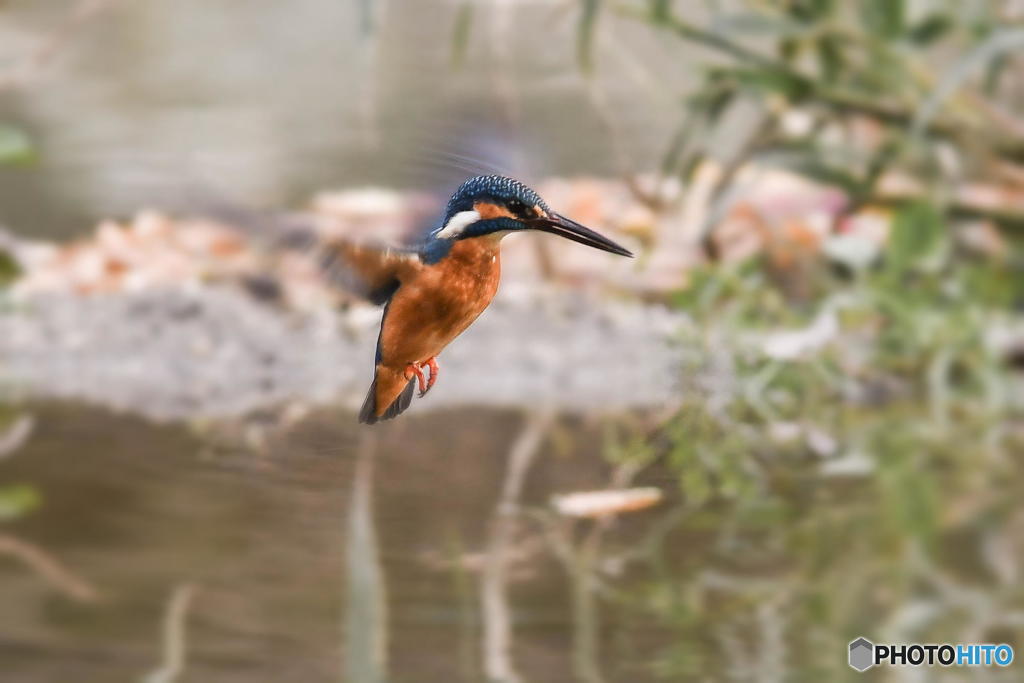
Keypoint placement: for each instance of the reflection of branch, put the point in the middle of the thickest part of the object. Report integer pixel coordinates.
(365, 604)
(581, 565)
(582, 571)
(29, 68)
(15, 436)
(497, 618)
(48, 567)
(174, 636)
(586, 624)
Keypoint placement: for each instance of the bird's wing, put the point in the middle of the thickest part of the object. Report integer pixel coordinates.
(370, 270)
(366, 269)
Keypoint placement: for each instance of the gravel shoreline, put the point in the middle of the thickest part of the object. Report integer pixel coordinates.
(215, 351)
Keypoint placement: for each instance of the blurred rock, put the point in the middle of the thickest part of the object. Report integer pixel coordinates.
(201, 350)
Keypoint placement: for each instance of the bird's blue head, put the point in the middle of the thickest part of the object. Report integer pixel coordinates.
(493, 205)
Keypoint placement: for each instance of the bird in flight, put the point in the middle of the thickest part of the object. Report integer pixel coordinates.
(434, 290)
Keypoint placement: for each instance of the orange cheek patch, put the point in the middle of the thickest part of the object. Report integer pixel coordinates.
(488, 210)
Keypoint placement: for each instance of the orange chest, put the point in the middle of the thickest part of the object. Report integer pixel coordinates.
(466, 278)
(443, 299)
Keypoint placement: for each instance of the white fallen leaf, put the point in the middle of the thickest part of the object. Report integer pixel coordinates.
(793, 344)
(603, 503)
(854, 464)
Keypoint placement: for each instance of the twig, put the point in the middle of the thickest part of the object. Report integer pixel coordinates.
(720, 199)
(708, 39)
(48, 567)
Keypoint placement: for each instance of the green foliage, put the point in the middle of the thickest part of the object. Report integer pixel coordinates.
(913, 70)
(17, 500)
(10, 270)
(15, 146)
(916, 235)
(461, 33)
(809, 483)
(930, 29)
(883, 17)
(809, 11)
(585, 35)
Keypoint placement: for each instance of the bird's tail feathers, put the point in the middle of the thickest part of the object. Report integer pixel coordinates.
(400, 400)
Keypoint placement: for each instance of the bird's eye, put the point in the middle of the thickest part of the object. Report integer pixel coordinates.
(518, 208)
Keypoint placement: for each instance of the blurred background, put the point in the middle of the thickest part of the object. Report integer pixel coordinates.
(796, 418)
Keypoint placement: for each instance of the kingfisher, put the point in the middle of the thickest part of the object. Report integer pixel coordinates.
(434, 290)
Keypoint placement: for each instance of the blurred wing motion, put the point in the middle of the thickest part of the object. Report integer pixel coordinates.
(373, 271)
(369, 270)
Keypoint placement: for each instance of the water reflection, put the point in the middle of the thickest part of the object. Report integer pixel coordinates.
(428, 550)
(365, 651)
(217, 562)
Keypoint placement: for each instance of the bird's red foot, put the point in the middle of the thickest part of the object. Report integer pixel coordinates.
(415, 370)
(432, 364)
(412, 370)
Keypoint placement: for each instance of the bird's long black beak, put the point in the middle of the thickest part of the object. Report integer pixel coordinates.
(558, 224)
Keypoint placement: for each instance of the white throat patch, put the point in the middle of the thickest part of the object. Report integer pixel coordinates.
(457, 223)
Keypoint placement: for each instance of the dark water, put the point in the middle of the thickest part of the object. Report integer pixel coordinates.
(302, 556)
(427, 551)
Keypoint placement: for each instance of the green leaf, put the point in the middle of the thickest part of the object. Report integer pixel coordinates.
(989, 50)
(816, 170)
(757, 24)
(917, 232)
(930, 29)
(695, 484)
(789, 49)
(994, 71)
(810, 10)
(367, 17)
(9, 268)
(585, 33)
(830, 56)
(661, 10)
(461, 33)
(910, 496)
(883, 17)
(713, 100)
(15, 146)
(18, 500)
(768, 80)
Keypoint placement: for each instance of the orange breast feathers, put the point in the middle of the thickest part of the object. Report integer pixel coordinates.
(436, 305)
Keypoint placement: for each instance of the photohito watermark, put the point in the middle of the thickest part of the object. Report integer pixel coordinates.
(864, 654)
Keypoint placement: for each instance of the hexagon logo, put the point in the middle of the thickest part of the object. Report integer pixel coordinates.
(862, 654)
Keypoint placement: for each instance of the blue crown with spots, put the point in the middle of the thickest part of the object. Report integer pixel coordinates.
(495, 188)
